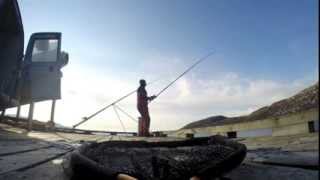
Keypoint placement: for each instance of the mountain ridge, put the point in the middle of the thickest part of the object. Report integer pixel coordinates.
(304, 100)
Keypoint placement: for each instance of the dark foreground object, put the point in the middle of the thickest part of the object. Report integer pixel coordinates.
(203, 157)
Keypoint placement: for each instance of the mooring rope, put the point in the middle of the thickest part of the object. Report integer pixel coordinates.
(127, 114)
(115, 110)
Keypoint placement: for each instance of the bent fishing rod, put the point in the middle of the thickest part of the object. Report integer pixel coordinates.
(84, 119)
(185, 72)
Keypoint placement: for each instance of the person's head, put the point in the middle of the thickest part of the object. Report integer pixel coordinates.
(142, 82)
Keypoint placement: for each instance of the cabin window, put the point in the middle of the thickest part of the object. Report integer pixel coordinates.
(311, 127)
(232, 134)
(45, 50)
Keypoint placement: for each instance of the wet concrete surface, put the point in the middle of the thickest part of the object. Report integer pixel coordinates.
(256, 166)
(254, 171)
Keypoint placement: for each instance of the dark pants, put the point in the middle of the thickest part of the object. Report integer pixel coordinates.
(145, 124)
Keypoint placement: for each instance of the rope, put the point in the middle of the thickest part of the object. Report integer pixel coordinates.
(131, 117)
(115, 110)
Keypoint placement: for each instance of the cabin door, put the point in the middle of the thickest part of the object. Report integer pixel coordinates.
(42, 75)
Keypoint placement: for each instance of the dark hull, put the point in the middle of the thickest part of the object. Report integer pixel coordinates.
(11, 51)
(204, 157)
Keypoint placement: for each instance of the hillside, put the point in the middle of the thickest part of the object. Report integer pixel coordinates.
(304, 100)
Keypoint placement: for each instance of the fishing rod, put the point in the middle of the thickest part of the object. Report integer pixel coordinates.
(84, 119)
(185, 72)
(120, 99)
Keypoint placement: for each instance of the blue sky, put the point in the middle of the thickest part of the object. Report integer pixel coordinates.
(263, 48)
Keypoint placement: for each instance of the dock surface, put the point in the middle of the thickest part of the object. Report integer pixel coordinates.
(39, 155)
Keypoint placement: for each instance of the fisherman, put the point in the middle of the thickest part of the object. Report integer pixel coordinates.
(142, 105)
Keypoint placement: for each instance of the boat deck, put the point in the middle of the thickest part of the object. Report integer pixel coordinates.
(39, 155)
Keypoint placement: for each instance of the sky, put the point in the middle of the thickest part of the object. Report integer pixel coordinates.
(264, 51)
